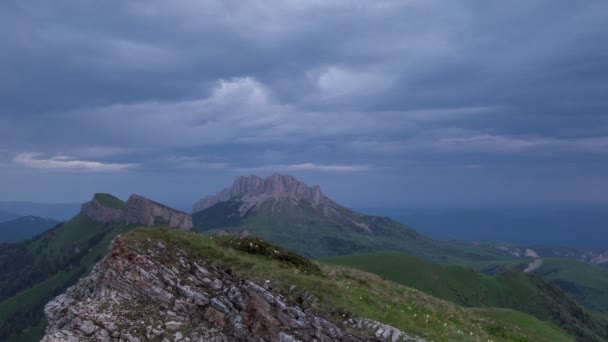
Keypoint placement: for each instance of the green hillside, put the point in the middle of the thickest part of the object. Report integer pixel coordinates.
(33, 272)
(315, 233)
(109, 201)
(466, 287)
(586, 283)
(342, 291)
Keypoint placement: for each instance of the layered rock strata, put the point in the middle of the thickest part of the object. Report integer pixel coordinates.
(144, 292)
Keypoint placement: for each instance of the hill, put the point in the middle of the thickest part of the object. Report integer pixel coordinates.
(293, 215)
(586, 283)
(33, 271)
(466, 287)
(178, 285)
(24, 228)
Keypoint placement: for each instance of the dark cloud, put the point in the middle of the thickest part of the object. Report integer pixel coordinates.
(459, 94)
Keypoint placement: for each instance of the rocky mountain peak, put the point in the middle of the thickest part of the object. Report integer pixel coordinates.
(137, 210)
(100, 211)
(254, 190)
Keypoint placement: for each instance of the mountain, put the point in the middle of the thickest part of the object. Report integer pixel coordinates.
(57, 211)
(587, 283)
(510, 289)
(33, 271)
(7, 216)
(158, 284)
(291, 214)
(24, 228)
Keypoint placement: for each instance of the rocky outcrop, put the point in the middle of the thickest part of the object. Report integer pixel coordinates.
(100, 213)
(597, 257)
(138, 210)
(254, 190)
(143, 211)
(142, 292)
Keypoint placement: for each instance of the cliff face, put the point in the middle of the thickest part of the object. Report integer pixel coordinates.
(253, 190)
(138, 210)
(153, 292)
(146, 212)
(100, 213)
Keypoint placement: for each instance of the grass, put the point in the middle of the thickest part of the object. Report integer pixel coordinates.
(346, 291)
(109, 201)
(536, 329)
(587, 283)
(458, 284)
(466, 287)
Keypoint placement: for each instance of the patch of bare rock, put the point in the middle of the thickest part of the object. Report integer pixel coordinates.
(144, 292)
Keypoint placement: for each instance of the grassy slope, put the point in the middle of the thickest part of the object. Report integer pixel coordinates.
(308, 231)
(109, 201)
(57, 249)
(536, 328)
(466, 287)
(360, 294)
(587, 283)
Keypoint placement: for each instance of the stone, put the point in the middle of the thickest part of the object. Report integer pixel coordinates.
(143, 211)
(253, 190)
(125, 291)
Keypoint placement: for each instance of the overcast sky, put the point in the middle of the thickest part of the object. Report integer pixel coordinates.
(398, 103)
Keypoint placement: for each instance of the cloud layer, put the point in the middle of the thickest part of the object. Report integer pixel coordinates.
(416, 92)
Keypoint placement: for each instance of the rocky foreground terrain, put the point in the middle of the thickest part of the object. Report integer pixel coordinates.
(146, 291)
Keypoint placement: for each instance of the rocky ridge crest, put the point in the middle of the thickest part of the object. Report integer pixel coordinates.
(137, 210)
(136, 294)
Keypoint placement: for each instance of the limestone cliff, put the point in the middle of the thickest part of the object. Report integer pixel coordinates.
(99, 212)
(137, 210)
(150, 291)
(253, 190)
(143, 211)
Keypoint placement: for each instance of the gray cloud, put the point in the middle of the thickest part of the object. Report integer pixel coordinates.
(180, 87)
(36, 161)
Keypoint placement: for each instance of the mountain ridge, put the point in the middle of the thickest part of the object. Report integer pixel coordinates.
(252, 190)
(34, 271)
(138, 210)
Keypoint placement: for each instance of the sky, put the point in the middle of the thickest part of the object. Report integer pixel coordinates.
(382, 103)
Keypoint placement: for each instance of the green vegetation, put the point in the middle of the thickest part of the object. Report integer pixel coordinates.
(33, 272)
(314, 233)
(345, 291)
(466, 287)
(537, 329)
(109, 201)
(261, 247)
(586, 283)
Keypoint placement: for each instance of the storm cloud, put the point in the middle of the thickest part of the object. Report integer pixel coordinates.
(412, 101)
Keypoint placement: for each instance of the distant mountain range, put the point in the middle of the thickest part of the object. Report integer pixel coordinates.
(24, 228)
(58, 211)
